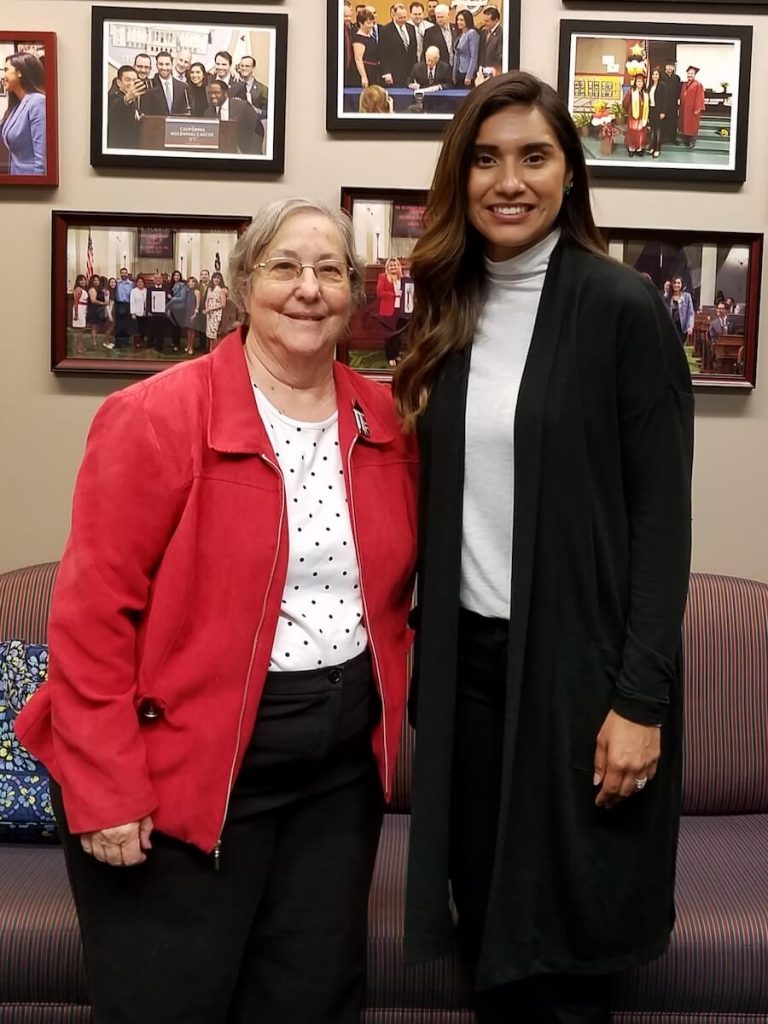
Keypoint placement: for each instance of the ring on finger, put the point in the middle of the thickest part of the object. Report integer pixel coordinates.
(641, 783)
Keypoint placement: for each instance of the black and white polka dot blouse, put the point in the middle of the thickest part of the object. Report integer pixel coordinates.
(321, 613)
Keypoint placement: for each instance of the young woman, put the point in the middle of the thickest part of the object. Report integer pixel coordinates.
(374, 99)
(657, 103)
(466, 51)
(215, 301)
(139, 312)
(196, 90)
(389, 292)
(636, 107)
(96, 314)
(80, 311)
(176, 307)
(554, 411)
(23, 127)
(680, 306)
(192, 315)
(365, 50)
(110, 287)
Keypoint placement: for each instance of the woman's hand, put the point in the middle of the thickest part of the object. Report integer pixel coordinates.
(625, 753)
(121, 845)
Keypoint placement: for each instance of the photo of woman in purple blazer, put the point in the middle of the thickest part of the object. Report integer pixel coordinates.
(23, 126)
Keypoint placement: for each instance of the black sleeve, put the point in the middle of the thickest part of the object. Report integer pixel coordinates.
(656, 433)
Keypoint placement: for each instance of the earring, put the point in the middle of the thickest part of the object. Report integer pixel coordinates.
(567, 189)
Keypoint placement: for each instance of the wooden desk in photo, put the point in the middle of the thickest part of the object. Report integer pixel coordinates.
(727, 353)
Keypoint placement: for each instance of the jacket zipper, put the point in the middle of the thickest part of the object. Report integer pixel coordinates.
(217, 847)
(377, 674)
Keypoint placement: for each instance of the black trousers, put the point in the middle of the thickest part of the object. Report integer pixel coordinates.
(122, 323)
(478, 740)
(156, 327)
(277, 935)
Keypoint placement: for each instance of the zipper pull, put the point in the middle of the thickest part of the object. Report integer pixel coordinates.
(217, 856)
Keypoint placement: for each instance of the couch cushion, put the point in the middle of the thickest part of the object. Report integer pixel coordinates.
(40, 953)
(25, 600)
(718, 958)
(726, 696)
(716, 963)
(25, 800)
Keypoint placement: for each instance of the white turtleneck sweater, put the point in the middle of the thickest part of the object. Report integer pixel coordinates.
(497, 361)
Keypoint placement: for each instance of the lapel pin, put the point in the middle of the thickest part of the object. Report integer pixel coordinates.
(360, 422)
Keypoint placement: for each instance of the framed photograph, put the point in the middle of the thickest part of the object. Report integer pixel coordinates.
(656, 101)
(710, 284)
(202, 90)
(387, 223)
(134, 293)
(407, 67)
(29, 152)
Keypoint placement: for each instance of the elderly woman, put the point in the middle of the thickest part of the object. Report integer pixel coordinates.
(227, 673)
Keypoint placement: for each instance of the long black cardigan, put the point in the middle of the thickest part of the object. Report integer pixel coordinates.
(601, 552)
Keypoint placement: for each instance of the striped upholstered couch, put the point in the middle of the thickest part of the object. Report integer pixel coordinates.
(716, 970)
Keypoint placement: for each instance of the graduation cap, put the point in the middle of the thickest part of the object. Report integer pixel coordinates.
(693, 68)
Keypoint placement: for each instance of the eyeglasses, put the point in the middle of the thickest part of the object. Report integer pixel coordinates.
(327, 272)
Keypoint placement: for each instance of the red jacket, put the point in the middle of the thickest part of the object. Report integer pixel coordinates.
(385, 290)
(169, 590)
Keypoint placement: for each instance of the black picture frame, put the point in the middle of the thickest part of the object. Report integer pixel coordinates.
(376, 335)
(185, 141)
(87, 342)
(710, 265)
(436, 108)
(719, 150)
(16, 168)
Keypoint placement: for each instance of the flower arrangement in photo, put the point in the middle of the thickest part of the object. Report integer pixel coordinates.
(610, 131)
(601, 113)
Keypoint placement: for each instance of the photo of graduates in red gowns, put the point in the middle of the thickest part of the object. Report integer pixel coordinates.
(658, 101)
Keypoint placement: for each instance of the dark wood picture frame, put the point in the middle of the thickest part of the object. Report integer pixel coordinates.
(711, 265)
(180, 141)
(27, 136)
(386, 222)
(436, 109)
(96, 344)
(717, 153)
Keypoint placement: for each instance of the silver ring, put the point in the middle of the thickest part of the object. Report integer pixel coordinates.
(641, 783)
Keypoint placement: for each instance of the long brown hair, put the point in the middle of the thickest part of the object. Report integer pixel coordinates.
(32, 72)
(448, 267)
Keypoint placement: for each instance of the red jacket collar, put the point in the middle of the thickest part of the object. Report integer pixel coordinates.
(235, 426)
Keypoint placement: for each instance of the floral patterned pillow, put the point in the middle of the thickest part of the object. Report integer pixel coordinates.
(25, 800)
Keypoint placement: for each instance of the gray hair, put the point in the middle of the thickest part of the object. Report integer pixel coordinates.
(263, 228)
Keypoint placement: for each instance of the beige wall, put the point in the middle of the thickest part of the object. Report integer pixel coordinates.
(43, 419)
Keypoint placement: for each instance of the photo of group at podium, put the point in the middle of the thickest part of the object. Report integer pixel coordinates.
(187, 90)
